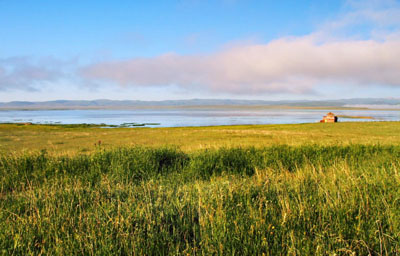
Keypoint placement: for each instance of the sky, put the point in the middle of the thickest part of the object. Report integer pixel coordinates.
(183, 49)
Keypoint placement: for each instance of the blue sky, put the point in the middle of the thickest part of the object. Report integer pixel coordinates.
(154, 50)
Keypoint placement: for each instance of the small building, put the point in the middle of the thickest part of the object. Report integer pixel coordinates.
(329, 118)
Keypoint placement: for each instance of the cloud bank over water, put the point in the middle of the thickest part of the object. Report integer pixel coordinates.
(290, 65)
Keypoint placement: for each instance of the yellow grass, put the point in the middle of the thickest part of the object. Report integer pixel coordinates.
(61, 140)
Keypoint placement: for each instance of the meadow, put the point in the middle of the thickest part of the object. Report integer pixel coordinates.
(72, 139)
(308, 189)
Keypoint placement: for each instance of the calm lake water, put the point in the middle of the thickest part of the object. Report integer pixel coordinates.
(190, 116)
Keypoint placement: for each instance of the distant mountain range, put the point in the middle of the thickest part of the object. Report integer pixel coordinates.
(120, 104)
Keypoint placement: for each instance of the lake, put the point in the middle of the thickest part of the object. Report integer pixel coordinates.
(178, 117)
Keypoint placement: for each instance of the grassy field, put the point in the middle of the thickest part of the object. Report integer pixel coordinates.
(310, 189)
(62, 140)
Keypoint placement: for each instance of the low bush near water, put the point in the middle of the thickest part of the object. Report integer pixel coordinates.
(276, 200)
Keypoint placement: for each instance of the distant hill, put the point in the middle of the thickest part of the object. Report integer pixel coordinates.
(105, 104)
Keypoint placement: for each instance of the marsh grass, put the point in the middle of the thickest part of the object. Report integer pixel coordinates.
(306, 200)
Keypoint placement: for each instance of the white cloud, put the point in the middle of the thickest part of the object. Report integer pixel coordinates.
(373, 19)
(26, 73)
(292, 65)
(22, 73)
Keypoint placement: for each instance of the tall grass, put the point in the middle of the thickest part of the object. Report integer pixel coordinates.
(276, 200)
